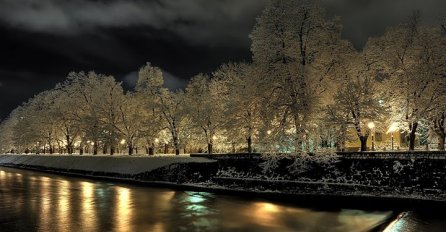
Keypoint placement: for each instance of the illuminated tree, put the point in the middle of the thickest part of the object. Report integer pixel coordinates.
(356, 102)
(243, 109)
(413, 62)
(67, 108)
(131, 120)
(148, 91)
(7, 131)
(296, 48)
(37, 123)
(172, 110)
(204, 104)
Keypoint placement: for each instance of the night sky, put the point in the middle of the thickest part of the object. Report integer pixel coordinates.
(42, 40)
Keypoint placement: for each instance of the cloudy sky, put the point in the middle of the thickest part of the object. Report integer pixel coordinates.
(42, 40)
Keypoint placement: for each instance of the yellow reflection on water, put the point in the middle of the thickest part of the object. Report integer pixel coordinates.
(63, 206)
(44, 222)
(123, 209)
(88, 213)
(168, 195)
(2, 178)
(158, 227)
(264, 213)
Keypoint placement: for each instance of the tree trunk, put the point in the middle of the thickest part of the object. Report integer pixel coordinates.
(412, 135)
(363, 140)
(95, 148)
(233, 147)
(166, 148)
(112, 149)
(69, 146)
(81, 150)
(249, 141)
(210, 148)
(104, 149)
(130, 149)
(441, 142)
(176, 144)
(151, 150)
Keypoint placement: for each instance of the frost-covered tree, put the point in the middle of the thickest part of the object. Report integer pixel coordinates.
(413, 60)
(7, 131)
(356, 102)
(99, 97)
(67, 107)
(109, 102)
(243, 108)
(165, 107)
(204, 104)
(131, 120)
(438, 126)
(172, 111)
(296, 49)
(37, 123)
(148, 91)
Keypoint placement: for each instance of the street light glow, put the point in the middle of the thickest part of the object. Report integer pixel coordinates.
(393, 127)
(371, 125)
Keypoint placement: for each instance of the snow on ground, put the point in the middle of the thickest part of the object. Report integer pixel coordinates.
(122, 164)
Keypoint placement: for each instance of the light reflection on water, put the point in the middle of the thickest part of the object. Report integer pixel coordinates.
(124, 209)
(88, 213)
(55, 203)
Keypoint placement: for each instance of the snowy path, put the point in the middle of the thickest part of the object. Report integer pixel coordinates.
(110, 164)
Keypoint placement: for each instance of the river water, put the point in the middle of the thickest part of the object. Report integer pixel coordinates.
(34, 201)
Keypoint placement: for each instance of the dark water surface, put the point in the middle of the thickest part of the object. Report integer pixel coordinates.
(34, 201)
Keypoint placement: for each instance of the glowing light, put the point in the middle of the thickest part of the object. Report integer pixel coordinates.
(123, 142)
(92, 143)
(371, 125)
(265, 214)
(88, 211)
(269, 132)
(381, 102)
(157, 140)
(63, 203)
(124, 211)
(214, 137)
(393, 127)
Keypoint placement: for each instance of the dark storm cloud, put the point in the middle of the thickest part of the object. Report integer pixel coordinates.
(43, 40)
(364, 18)
(196, 20)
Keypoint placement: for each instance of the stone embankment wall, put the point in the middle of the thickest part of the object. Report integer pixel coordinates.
(175, 169)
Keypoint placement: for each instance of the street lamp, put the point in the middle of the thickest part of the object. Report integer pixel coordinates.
(371, 126)
(393, 127)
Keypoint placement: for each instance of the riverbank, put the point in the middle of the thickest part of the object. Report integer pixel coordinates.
(222, 177)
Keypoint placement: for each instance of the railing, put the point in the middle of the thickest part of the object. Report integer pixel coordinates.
(393, 155)
(227, 155)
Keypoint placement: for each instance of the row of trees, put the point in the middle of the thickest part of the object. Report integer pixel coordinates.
(306, 88)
